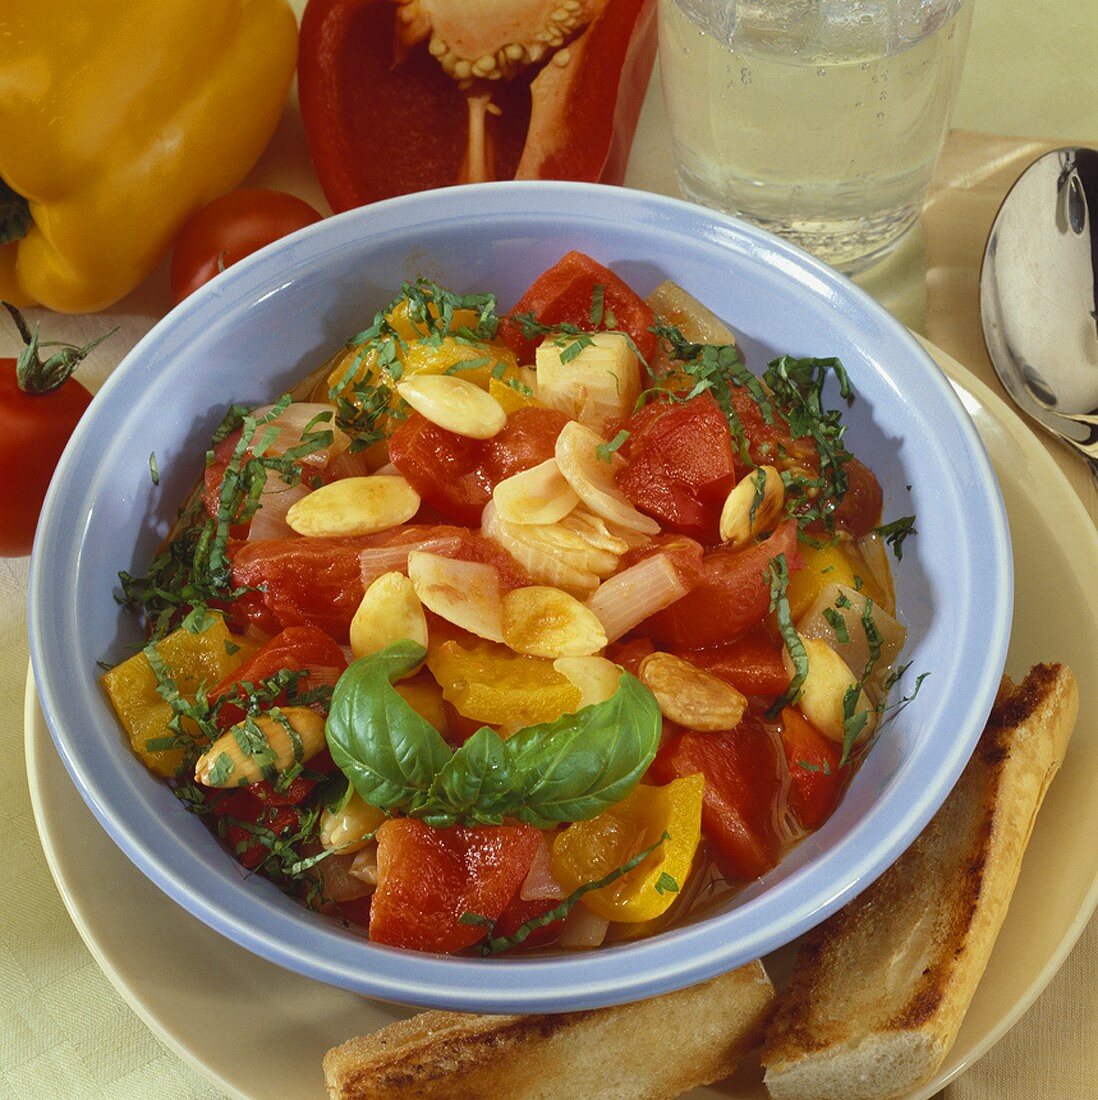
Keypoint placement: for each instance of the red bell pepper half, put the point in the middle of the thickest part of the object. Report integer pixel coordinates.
(400, 97)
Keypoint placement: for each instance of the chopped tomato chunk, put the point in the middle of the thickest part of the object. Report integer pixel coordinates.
(297, 648)
(518, 912)
(456, 475)
(816, 778)
(732, 597)
(565, 295)
(751, 664)
(310, 581)
(427, 878)
(742, 780)
(860, 509)
(679, 465)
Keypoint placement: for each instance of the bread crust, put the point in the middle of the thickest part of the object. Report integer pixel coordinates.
(650, 1050)
(879, 990)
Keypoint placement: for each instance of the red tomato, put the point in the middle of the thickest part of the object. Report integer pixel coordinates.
(518, 912)
(427, 878)
(742, 780)
(34, 429)
(230, 228)
(456, 475)
(297, 647)
(679, 465)
(751, 664)
(299, 582)
(732, 597)
(38, 413)
(630, 654)
(444, 468)
(563, 295)
(528, 439)
(816, 778)
(859, 511)
(248, 807)
(357, 910)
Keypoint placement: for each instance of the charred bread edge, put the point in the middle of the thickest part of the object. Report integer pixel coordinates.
(899, 1041)
(658, 1048)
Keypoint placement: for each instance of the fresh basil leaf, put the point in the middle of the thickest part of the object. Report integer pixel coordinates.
(581, 764)
(477, 783)
(390, 754)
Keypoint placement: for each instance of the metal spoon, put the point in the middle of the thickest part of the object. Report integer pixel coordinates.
(1038, 303)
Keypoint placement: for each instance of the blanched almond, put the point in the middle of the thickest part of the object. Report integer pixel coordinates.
(824, 688)
(689, 696)
(454, 404)
(354, 506)
(595, 677)
(540, 621)
(390, 612)
(592, 478)
(537, 495)
(261, 748)
(738, 526)
(465, 593)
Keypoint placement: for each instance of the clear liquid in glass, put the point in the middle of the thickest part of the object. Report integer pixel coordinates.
(820, 120)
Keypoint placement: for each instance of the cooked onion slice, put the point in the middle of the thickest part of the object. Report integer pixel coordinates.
(592, 478)
(539, 884)
(287, 429)
(377, 560)
(628, 598)
(583, 929)
(840, 604)
(269, 522)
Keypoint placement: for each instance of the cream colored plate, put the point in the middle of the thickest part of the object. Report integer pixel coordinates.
(259, 1031)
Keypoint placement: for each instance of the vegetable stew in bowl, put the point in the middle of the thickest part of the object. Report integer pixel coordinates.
(522, 631)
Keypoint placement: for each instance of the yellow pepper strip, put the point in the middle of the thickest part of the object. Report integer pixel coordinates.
(190, 659)
(118, 120)
(488, 682)
(823, 566)
(589, 850)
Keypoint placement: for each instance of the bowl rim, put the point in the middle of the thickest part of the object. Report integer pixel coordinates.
(673, 959)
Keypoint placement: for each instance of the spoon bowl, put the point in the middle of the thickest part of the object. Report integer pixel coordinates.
(1039, 296)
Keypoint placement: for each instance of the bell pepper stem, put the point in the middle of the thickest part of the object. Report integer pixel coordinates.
(36, 377)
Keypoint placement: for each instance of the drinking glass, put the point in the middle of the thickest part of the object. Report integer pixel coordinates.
(820, 120)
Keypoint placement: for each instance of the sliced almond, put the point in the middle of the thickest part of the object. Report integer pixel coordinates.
(537, 495)
(753, 506)
(824, 689)
(540, 621)
(354, 506)
(465, 593)
(595, 677)
(454, 404)
(591, 474)
(690, 696)
(390, 612)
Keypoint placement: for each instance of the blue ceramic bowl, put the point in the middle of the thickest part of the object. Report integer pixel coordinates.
(274, 317)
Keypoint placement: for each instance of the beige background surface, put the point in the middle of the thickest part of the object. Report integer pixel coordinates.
(64, 1032)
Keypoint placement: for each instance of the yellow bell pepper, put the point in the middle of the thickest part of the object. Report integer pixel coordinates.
(590, 850)
(191, 659)
(118, 120)
(823, 566)
(488, 682)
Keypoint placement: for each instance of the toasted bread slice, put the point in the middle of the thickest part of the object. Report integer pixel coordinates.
(649, 1050)
(879, 990)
